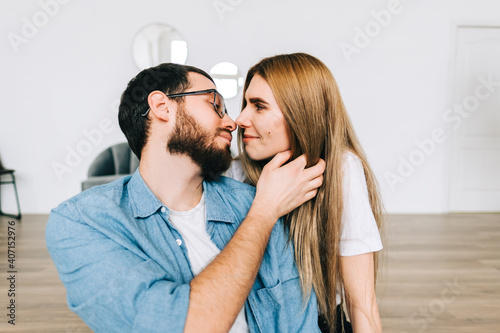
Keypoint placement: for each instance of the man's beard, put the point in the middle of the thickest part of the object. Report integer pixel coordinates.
(189, 138)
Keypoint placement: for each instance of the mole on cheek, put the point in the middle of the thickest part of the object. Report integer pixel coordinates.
(267, 131)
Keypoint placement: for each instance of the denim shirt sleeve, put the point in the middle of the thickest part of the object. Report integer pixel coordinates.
(275, 303)
(111, 287)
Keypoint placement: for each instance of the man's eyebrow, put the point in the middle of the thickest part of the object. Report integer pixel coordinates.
(255, 100)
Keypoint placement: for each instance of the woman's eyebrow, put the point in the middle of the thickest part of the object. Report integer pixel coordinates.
(255, 100)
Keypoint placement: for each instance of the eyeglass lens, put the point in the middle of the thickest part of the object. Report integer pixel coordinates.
(219, 104)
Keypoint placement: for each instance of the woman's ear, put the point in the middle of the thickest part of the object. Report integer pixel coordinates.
(161, 106)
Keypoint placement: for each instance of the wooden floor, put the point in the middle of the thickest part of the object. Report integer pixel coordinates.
(441, 274)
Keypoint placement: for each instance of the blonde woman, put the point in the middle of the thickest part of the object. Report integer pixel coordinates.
(292, 102)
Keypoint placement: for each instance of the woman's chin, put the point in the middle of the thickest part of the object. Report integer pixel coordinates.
(259, 156)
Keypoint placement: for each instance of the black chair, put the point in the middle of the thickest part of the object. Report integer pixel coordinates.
(12, 180)
(114, 162)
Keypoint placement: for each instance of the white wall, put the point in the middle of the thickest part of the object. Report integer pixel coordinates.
(67, 78)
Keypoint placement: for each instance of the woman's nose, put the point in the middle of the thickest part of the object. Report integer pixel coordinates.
(243, 119)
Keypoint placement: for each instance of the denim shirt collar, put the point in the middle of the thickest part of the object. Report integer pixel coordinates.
(145, 203)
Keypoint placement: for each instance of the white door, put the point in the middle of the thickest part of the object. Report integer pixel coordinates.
(475, 122)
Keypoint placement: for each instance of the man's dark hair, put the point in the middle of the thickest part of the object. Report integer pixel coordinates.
(168, 78)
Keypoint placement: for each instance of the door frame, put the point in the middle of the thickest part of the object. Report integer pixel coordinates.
(453, 90)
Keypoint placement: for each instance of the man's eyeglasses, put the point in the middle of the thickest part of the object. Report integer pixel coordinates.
(218, 102)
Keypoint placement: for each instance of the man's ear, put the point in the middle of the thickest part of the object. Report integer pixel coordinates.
(161, 106)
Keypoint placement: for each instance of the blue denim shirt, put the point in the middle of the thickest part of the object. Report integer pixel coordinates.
(126, 268)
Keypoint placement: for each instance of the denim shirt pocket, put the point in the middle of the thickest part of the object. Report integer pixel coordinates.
(265, 305)
(281, 309)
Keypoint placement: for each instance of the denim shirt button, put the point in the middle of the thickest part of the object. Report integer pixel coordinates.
(179, 242)
(163, 209)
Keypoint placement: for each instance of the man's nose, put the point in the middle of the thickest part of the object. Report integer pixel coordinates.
(228, 123)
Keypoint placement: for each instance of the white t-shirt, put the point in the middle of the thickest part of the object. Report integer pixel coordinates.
(359, 232)
(191, 225)
(359, 229)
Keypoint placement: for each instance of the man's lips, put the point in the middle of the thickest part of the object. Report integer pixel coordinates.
(226, 136)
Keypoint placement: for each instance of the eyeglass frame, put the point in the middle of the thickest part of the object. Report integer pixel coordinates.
(199, 92)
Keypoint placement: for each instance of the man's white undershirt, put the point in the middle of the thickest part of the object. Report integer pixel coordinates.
(192, 225)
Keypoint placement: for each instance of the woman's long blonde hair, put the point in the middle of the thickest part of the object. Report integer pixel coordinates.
(319, 127)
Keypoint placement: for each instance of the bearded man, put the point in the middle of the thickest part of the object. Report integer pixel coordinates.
(176, 247)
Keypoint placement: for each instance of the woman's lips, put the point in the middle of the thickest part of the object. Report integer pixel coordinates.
(248, 138)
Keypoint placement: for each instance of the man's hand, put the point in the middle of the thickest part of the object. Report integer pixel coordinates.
(281, 189)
